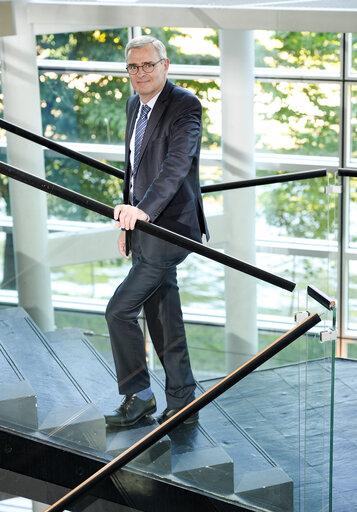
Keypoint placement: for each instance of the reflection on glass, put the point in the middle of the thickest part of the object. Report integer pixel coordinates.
(297, 118)
(297, 50)
(97, 45)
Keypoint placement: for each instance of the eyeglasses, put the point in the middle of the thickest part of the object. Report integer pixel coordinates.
(148, 67)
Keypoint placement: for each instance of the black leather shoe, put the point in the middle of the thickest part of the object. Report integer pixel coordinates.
(131, 410)
(168, 413)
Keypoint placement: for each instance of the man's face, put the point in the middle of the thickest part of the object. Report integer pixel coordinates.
(147, 85)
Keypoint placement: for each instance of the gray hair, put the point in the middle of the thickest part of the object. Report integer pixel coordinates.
(139, 42)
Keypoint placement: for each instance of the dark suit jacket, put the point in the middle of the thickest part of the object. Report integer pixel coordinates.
(167, 184)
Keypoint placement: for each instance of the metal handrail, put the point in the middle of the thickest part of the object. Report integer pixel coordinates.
(264, 180)
(195, 406)
(102, 166)
(321, 297)
(146, 227)
(60, 148)
(352, 173)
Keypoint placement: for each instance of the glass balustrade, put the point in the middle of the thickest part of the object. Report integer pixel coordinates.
(265, 443)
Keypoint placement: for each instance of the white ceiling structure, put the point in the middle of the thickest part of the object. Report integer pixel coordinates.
(7, 26)
(293, 15)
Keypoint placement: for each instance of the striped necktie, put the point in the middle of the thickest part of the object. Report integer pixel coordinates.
(139, 134)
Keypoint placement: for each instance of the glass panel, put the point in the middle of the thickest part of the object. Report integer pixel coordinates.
(296, 238)
(96, 45)
(297, 50)
(352, 295)
(351, 258)
(84, 108)
(354, 53)
(85, 180)
(208, 91)
(352, 182)
(297, 118)
(193, 46)
(353, 123)
(264, 442)
(352, 350)
(7, 264)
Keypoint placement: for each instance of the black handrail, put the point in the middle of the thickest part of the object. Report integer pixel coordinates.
(102, 166)
(264, 180)
(60, 148)
(321, 297)
(164, 234)
(195, 406)
(352, 173)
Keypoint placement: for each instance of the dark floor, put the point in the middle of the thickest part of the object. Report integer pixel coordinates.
(345, 437)
(287, 411)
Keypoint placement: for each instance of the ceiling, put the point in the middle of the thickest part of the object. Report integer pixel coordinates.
(292, 15)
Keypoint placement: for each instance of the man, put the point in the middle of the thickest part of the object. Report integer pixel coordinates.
(161, 185)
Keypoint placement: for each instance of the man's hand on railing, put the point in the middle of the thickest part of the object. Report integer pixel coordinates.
(127, 215)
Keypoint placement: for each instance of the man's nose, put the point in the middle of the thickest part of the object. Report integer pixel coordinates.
(141, 72)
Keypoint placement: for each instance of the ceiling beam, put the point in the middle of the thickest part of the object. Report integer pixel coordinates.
(56, 16)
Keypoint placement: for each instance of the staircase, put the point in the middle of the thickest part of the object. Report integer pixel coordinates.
(55, 388)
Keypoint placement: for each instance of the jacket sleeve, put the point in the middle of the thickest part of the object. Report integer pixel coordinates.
(183, 143)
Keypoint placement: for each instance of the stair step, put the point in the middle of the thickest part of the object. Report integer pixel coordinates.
(156, 459)
(99, 382)
(209, 468)
(268, 487)
(60, 400)
(17, 398)
(258, 478)
(196, 456)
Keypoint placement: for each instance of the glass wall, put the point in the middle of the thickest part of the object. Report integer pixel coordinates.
(300, 94)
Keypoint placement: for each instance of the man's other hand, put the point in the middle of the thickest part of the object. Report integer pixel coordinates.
(122, 244)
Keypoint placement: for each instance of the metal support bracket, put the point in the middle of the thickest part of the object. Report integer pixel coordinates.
(328, 335)
(300, 316)
(333, 189)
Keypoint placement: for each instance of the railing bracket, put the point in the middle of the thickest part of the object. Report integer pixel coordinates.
(300, 316)
(328, 335)
(333, 189)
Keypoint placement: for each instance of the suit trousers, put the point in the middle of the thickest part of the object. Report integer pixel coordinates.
(151, 284)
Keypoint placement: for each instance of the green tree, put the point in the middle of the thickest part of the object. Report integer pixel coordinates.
(90, 108)
(300, 208)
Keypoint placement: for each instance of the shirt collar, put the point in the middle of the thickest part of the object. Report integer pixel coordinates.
(151, 102)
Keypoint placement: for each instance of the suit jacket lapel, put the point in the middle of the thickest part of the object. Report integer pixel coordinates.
(155, 117)
(132, 114)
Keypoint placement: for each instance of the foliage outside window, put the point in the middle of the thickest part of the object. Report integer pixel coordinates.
(96, 45)
(297, 50)
(87, 108)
